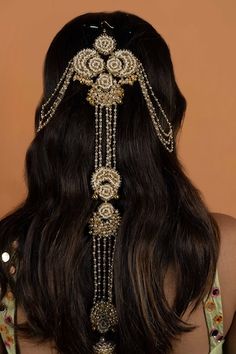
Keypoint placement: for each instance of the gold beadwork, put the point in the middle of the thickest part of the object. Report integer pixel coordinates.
(105, 79)
(103, 317)
(122, 63)
(105, 183)
(105, 44)
(106, 210)
(88, 63)
(103, 347)
(104, 223)
(104, 227)
(106, 90)
(99, 96)
(60, 89)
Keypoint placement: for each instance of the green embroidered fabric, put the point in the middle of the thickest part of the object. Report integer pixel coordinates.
(212, 309)
(214, 318)
(7, 314)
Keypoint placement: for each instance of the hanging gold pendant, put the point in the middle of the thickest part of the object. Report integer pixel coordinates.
(105, 183)
(103, 316)
(104, 226)
(103, 347)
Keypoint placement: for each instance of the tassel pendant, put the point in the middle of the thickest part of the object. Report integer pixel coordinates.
(104, 347)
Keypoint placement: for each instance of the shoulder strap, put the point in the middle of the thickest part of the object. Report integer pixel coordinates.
(214, 314)
(7, 318)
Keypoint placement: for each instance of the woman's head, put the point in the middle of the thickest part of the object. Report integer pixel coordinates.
(72, 127)
(130, 32)
(165, 223)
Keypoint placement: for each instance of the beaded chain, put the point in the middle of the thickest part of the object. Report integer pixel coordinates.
(65, 79)
(103, 228)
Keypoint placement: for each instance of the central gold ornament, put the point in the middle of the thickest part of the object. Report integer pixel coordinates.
(88, 64)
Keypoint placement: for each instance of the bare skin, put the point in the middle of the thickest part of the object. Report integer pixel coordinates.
(197, 341)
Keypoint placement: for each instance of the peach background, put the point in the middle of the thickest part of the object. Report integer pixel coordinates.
(201, 35)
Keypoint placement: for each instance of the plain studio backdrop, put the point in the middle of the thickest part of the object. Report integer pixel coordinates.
(201, 36)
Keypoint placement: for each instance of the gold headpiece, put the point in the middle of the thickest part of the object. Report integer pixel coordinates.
(105, 70)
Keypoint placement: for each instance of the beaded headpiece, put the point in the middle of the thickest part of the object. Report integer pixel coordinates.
(105, 70)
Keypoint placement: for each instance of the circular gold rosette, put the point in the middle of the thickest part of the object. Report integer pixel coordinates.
(105, 221)
(103, 316)
(105, 183)
(119, 69)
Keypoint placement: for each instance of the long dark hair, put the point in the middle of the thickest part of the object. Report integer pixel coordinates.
(165, 222)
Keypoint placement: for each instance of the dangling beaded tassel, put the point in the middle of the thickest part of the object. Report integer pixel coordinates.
(103, 228)
(56, 97)
(165, 137)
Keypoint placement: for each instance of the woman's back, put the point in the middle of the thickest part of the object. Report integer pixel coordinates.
(221, 316)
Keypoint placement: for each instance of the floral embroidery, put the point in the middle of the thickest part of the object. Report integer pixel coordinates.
(218, 319)
(7, 321)
(215, 291)
(210, 306)
(9, 341)
(9, 295)
(3, 328)
(214, 315)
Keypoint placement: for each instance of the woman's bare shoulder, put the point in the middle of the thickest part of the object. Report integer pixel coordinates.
(225, 220)
(227, 227)
(227, 259)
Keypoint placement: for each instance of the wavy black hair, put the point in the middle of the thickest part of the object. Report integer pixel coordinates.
(165, 222)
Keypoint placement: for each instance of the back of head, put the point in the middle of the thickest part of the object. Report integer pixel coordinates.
(165, 223)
